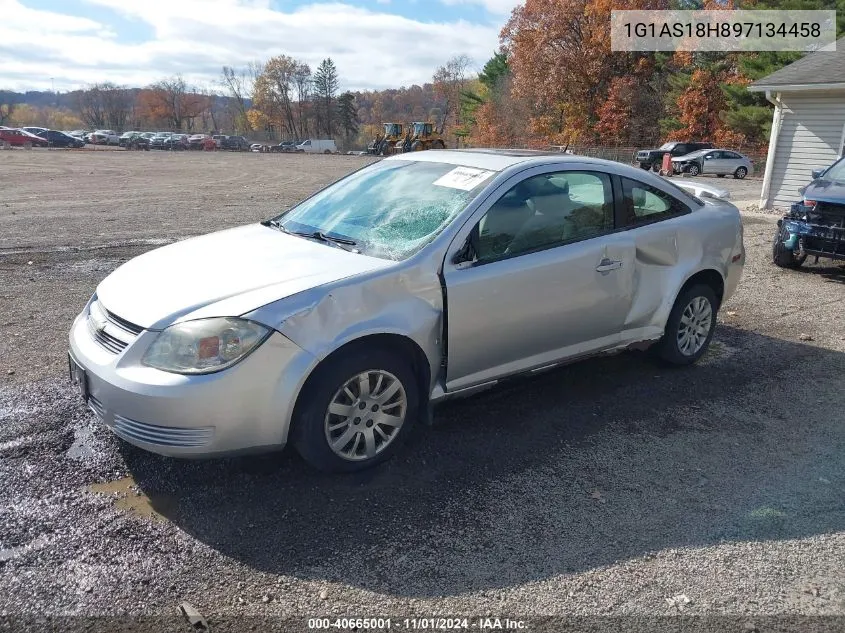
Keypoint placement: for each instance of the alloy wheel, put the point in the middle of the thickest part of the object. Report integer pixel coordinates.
(365, 415)
(694, 327)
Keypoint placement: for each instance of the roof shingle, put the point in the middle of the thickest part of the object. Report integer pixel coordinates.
(813, 71)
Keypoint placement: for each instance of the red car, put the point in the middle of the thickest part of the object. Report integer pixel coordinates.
(19, 138)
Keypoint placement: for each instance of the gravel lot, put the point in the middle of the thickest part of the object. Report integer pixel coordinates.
(614, 487)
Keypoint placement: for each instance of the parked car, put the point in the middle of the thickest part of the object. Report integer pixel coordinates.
(317, 146)
(653, 158)
(197, 141)
(815, 225)
(123, 139)
(169, 141)
(37, 131)
(103, 137)
(285, 146)
(80, 134)
(219, 138)
(256, 147)
(328, 326)
(19, 138)
(718, 162)
(137, 141)
(235, 143)
(59, 139)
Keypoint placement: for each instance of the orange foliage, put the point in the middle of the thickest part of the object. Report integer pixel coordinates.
(562, 63)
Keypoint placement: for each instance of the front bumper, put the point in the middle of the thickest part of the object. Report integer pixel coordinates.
(244, 408)
(807, 236)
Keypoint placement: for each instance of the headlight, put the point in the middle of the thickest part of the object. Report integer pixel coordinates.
(205, 345)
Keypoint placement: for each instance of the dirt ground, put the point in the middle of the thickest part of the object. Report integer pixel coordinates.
(610, 488)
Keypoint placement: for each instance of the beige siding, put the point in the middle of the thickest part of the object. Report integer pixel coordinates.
(810, 137)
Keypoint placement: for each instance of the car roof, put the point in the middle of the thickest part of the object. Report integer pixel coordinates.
(499, 159)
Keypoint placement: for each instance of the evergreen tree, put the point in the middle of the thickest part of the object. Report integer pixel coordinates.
(325, 88)
(347, 113)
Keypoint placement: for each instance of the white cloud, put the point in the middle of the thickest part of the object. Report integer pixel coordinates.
(499, 7)
(372, 49)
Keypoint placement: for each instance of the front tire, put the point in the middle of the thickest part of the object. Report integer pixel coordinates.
(356, 410)
(693, 170)
(781, 255)
(690, 326)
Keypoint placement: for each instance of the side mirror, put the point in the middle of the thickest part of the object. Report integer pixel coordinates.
(818, 172)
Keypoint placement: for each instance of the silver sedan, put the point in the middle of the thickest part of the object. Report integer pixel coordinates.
(718, 162)
(337, 325)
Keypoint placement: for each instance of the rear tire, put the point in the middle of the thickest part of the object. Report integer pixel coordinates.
(690, 326)
(315, 423)
(781, 255)
(740, 173)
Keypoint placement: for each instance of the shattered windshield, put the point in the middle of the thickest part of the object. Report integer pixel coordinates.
(836, 173)
(390, 209)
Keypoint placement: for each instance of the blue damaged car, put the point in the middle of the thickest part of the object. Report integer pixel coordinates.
(815, 225)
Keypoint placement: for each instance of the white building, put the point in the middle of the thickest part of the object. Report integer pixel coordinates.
(808, 127)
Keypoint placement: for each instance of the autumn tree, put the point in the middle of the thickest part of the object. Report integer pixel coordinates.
(238, 84)
(6, 111)
(303, 82)
(450, 81)
(562, 65)
(173, 102)
(105, 105)
(326, 84)
(273, 92)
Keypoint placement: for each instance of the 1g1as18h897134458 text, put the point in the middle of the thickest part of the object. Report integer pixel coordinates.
(722, 29)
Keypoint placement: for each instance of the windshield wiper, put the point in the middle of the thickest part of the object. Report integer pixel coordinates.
(341, 242)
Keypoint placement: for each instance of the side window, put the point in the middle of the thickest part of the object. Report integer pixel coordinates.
(645, 204)
(545, 211)
(732, 155)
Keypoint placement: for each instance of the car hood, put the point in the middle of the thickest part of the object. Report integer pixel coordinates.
(228, 273)
(825, 191)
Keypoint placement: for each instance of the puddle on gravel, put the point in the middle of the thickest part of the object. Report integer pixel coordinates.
(128, 497)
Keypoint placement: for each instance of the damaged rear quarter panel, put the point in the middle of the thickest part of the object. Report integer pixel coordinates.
(669, 253)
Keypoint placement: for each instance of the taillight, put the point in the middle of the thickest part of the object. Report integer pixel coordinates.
(809, 203)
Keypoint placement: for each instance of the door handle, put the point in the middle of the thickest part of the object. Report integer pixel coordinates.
(606, 265)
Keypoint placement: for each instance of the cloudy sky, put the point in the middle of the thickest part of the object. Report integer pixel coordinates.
(375, 43)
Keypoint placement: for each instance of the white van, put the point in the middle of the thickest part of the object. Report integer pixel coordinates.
(317, 146)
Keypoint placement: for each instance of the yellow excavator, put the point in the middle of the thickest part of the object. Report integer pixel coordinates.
(384, 144)
(420, 136)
